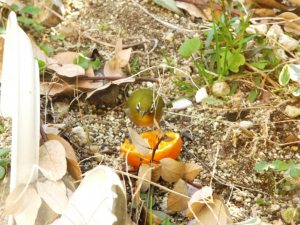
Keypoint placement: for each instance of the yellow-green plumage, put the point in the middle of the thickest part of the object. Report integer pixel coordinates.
(141, 108)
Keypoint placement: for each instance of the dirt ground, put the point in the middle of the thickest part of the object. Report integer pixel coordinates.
(216, 139)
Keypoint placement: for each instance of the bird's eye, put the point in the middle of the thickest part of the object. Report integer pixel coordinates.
(138, 107)
(152, 108)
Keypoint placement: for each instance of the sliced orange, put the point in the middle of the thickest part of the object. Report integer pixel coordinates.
(165, 149)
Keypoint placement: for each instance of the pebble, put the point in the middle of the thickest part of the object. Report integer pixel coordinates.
(169, 37)
(288, 42)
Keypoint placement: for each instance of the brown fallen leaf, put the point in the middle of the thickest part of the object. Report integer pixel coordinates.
(72, 163)
(29, 214)
(17, 200)
(191, 9)
(272, 4)
(145, 173)
(191, 170)
(54, 193)
(297, 2)
(53, 89)
(264, 12)
(67, 70)
(53, 160)
(198, 200)
(215, 214)
(114, 66)
(171, 170)
(140, 144)
(293, 22)
(156, 172)
(177, 202)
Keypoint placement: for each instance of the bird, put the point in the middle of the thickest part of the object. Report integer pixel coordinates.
(143, 106)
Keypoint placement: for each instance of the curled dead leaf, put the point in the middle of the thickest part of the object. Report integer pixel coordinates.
(145, 173)
(171, 170)
(191, 170)
(156, 172)
(17, 200)
(178, 202)
(140, 144)
(198, 200)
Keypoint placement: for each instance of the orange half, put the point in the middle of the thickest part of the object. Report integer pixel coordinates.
(165, 149)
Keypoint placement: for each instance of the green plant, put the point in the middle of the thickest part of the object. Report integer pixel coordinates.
(85, 61)
(291, 167)
(103, 26)
(26, 13)
(134, 65)
(4, 161)
(220, 55)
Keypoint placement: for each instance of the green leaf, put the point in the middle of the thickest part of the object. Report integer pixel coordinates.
(233, 87)
(83, 62)
(95, 64)
(14, 7)
(41, 63)
(253, 95)
(282, 192)
(2, 128)
(257, 81)
(211, 101)
(294, 72)
(4, 162)
(236, 62)
(38, 27)
(253, 221)
(259, 65)
(283, 166)
(259, 201)
(274, 164)
(30, 9)
(261, 166)
(45, 48)
(58, 37)
(294, 172)
(2, 172)
(189, 47)
(284, 76)
(291, 163)
(4, 151)
(209, 38)
(25, 20)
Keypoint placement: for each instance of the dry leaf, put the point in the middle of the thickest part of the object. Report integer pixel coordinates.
(191, 171)
(272, 4)
(145, 173)
(177, 202)
(291, 26)
(87, 85)
(37, 52)
(156, 172)
(171, 170)
(52, 89)
(29, 214)
(45, 214)
(140, 144)
(53, 160)
(67, 70)
(72, 163)
(15, 202)
(89, 94)
(198, 200)
(69, 183)
(216, 197)
(295, 2)
(53, 128)
(124, 80)
(99, 199)
(264, 12)
(113, 67)
(191, 9)
(155, 220)
(68, 58)
(54, 194)
(215, 215)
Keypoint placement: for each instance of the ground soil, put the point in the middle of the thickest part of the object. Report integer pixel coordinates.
(211, 134)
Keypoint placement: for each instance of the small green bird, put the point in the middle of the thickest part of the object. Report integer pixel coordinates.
(143, 106)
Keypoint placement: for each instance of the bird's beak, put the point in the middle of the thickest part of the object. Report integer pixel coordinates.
(143, 113)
